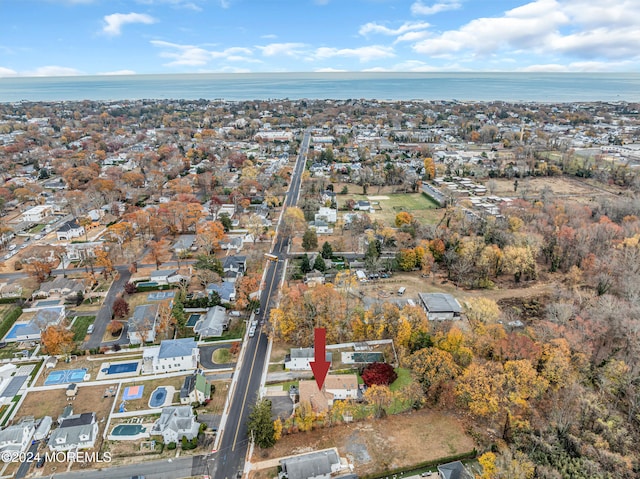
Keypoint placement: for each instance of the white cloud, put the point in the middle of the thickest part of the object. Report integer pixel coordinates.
(373, 27)
(186, 4)
(363, 54)
(419, 8)
(279, 49)
(269, 36)
(600, 34)
(329, 70)
(192, 55)
(118, 72)
(115, 21)
(52, 71)
(7, 72)
(578, 67)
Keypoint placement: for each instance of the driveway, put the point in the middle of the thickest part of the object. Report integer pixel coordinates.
(104, 315)
(206, 354)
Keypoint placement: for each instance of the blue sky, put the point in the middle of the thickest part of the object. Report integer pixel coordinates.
(88, 37)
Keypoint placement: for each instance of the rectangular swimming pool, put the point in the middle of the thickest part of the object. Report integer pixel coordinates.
(121, 368)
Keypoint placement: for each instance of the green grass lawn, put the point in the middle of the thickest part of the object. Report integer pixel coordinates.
(80, 326)
(222, 356)
(37, 228)
(285, 385)
(404, 378)
(423, 208)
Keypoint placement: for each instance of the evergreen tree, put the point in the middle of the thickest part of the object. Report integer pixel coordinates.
(305, 265)
(319, 264)
(260, 424)
(327, 250)
(226, 222)
(310, 240)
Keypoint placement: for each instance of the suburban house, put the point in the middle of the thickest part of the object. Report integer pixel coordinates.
(142, 325)
(61, 287)
(44, 426)
(37, 213)
(184, 243)
(363, 205)
(43, 318)
(299, 358)
(69, 230)
(233, 242)
(213, 324)
(440, 306)
(336, 386)
(78, 431)
(226, 290)
(314, 278)
(166, 276)
(314, 465)
(81, 251)
(176, 422)
(320, 227)
(10, 290)
(17, 438)
(195, 388)
(454, 470)
(172, 355)
(329, 215)
(235, 263)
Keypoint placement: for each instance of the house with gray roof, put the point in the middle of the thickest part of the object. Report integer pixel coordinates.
(184, 243)
(76, 431)
(454, 470)
(166, 276)
(69, 230)
(141, 327)
(60, 286)
(226, 290)
(172, 355)
(174, 423)
(17, 438)
(315, 465)
(213, 324)
(31, 331)
(440, 306)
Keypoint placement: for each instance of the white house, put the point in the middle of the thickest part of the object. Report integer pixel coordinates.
(75, 432)
(299, 358)
(31, 331)
(173, 355)
(17, 438)
(440, 306)
(69, 230)
(142, 325)
(328, 215)
(174, 423)
(37, 213)
(166, 276)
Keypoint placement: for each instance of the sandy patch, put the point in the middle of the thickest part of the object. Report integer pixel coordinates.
(377, 198)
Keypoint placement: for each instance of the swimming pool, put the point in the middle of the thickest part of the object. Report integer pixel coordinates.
(158, 397)
(193, 319)
(128, 430)
(15, 331)
(121, 368)
(68, 376)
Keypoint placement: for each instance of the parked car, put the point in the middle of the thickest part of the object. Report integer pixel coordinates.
(41, 461)
(252, 331)
(90, 329)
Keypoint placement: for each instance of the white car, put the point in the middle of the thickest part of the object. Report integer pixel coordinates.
(37, 237)
(12, 247)
(252, 331)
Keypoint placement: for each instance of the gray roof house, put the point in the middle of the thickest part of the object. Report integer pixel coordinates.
(213, 324)
(174, 423)
(77, 431)
(142, 325)
(43, 318)
(195, 388)
(165, 276)
(299, 358)
(454, 470)
(315, 465)
(172, 355)
(17, 438)
(60, 286)
(183, 243)
(440, 306)
(235, 263)
(226, 290)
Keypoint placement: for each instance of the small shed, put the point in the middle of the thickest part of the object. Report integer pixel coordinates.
(72, 390)
(51, 362)
(44, 426)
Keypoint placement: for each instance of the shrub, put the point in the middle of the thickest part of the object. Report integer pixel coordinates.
(130, 288)
(115, 327)
(171, 446)
(379, 374)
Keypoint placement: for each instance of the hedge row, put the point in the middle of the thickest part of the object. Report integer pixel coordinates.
(11, 300)
(9, 319)
(424, 465)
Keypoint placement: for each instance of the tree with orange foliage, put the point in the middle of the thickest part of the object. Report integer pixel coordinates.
(210, 235)
(246, 285)
(104, 260)
(158, 252)
(57, 340)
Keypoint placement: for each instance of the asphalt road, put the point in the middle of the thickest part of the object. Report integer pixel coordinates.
(104, 315)
(206, 355)
(230, 458)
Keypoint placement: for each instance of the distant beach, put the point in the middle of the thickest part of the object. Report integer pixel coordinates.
(511, 87)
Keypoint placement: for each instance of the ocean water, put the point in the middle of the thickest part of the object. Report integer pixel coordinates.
(527, 87)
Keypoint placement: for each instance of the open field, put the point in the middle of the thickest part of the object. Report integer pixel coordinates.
(89, 399)
(561, 186)
(401, 440)
(389, 205)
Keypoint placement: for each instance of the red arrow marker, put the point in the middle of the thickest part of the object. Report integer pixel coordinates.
(320, 365)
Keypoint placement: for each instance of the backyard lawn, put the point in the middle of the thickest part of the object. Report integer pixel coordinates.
(80, 326)
(389, 205)
(89, 399)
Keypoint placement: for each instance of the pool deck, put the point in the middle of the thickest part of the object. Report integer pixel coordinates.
(131, 437)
